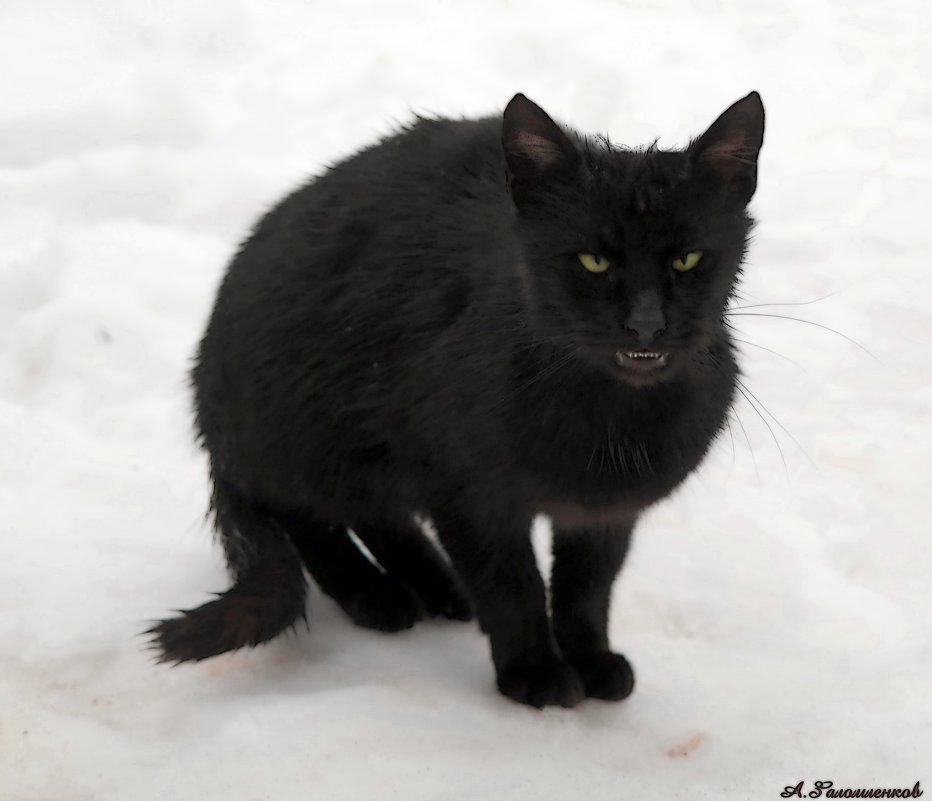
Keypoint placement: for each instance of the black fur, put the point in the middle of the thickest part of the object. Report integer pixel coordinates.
(413, 334)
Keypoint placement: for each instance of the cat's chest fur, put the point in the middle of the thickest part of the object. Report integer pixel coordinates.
(597, 453)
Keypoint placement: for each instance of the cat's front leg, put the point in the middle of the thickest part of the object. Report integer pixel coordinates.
(585, 564)
(496, 563)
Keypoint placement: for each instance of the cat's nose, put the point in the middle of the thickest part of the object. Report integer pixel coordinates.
(646, 321)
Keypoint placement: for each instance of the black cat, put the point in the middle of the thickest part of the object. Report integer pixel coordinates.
(472, 322)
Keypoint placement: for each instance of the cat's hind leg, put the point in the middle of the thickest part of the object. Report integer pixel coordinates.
(372, 598)
(405, 552)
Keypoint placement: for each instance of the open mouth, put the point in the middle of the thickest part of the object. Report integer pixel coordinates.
(641, 360)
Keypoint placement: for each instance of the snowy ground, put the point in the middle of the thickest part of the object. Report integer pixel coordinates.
(778, 617)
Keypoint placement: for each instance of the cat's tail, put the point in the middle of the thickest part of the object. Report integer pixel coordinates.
(267, 596)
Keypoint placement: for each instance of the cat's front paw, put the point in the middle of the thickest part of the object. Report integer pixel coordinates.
(606, 675)
(550, 683)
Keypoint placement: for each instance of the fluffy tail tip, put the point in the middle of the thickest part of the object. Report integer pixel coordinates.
(235, 620)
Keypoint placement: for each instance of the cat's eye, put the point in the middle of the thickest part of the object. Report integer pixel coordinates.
(593, 263)
(688, 261)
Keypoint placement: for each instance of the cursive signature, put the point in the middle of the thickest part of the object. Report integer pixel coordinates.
(827, 789)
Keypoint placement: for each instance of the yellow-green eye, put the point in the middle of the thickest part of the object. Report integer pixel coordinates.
(594, 264)
(689, 261)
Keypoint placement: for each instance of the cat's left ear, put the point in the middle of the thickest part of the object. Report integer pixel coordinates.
(726, 154)
(537, 152)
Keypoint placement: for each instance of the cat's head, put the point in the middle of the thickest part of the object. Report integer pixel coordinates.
(630, 256)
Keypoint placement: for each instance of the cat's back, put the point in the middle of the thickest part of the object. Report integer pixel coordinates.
(345, 284)
(422, 183)
(432, 194)
(380, 240)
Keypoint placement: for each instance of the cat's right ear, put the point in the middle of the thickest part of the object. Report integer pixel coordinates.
(537, 152)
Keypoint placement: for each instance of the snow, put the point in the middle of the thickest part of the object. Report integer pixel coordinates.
(776, 609)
